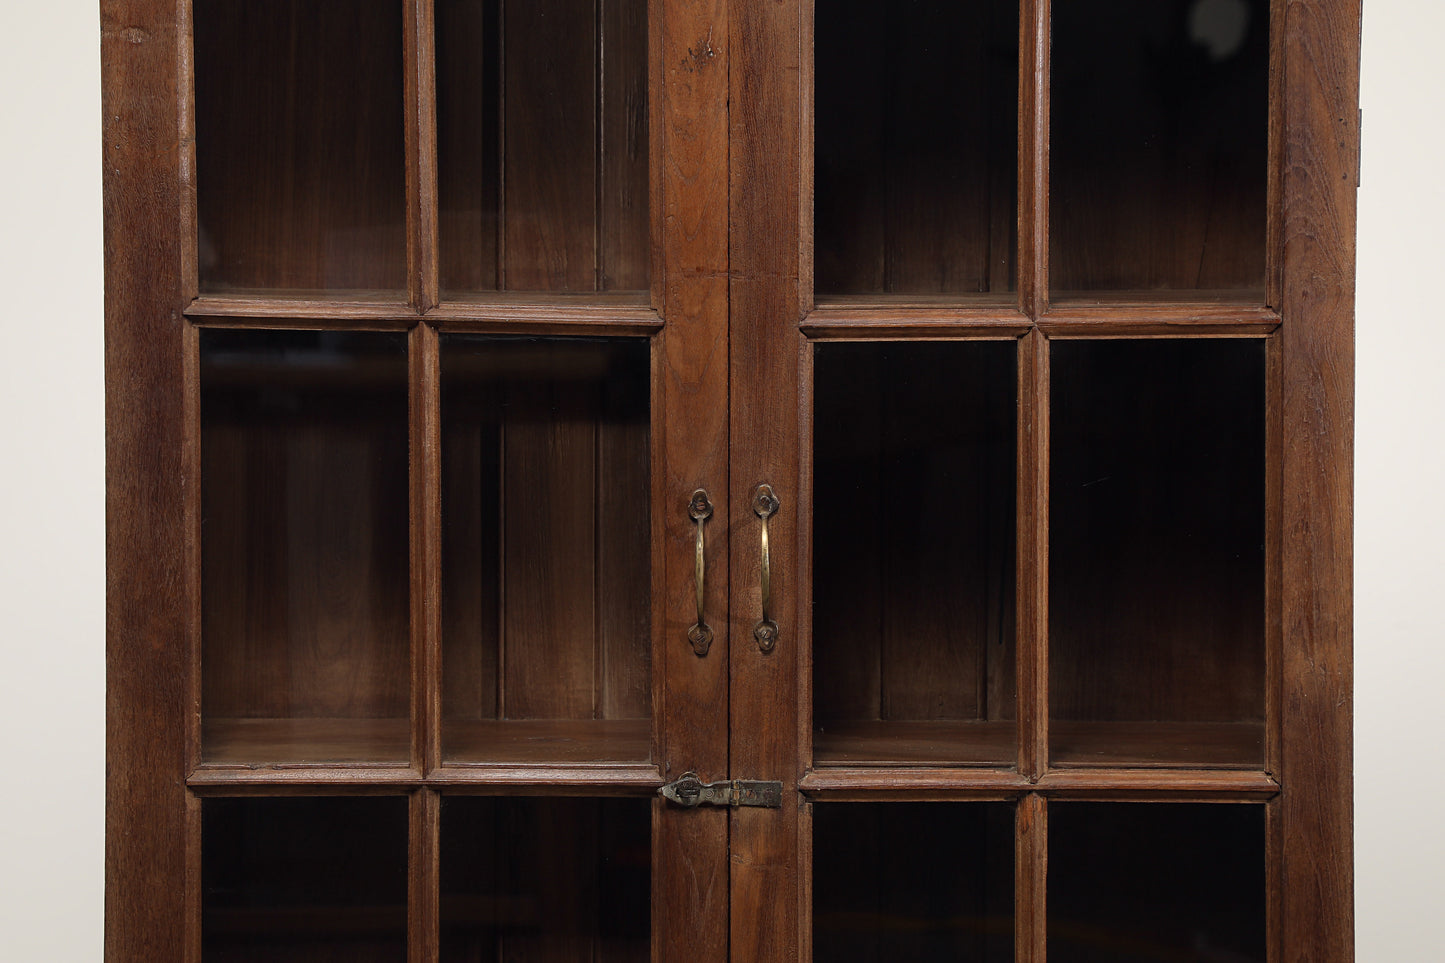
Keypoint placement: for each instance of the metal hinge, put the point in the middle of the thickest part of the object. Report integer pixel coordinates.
(691, 791)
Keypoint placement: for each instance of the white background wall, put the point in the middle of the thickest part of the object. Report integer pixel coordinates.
(52, 586)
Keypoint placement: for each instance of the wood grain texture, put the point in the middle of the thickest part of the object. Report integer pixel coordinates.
(304, 494)
(423, 236)
(146, 484)
(1031, 879)
(1321, 66)
(300, 134)
(424, 401)
(766, 210)
(1035, 20)
(1032, 560)
(423, 876)
(691, 58)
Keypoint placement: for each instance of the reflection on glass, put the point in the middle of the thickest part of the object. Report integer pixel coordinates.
(923, 882)
(545, 549)
(1158, 149)
(1156, 552)
(913, 557)
(916, 146)
(304, 880)
(304, 543)
(301, 175)
(1156, 882)
(542, 141)
(545, 879)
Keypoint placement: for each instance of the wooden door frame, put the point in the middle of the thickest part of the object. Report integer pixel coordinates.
(1310, 320)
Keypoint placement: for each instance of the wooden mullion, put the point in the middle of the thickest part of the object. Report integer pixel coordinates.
(1033, 185)
(190, 239)
(191, 338)
(1274, 655)
(426, 539)
(423, 278)
(1031, 860)
(1275, 183)
(1033, 555)
(423, 935)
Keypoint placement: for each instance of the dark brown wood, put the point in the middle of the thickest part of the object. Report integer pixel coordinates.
(147, 480)
(1031, 879)
(1033, 181)
(691, 59)
(426, 548)
(622, 146)
(765, 172)
(1321, 68)
(1150, 745)
(419, 60)
(424, 876)
(549, 183)
(300, 144)
(1032, 620)
(546, 741)
(261, 742)
(913, 742)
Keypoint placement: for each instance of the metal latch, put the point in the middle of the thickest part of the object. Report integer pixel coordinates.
(691, 791)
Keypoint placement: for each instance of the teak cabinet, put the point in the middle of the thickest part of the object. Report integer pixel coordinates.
(916, 435)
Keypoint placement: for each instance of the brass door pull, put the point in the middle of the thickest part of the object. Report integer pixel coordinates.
(765, 506)
(699, 509)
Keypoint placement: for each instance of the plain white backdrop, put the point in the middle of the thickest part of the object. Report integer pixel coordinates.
(52, 571)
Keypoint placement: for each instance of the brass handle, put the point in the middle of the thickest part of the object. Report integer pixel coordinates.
(699, 509)
(765, 506)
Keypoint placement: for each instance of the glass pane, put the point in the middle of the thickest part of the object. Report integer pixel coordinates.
(304, 547)
(921, 882)
(301, 175)
(1158, 154)
(1156, 579)
(542, 127)
(916, 146)
(304, 880)
(1158, 882)
(913, 552)
(545, 879)
(545, 549)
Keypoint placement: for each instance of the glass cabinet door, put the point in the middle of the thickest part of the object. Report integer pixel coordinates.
(451, 429)
(1031, 618)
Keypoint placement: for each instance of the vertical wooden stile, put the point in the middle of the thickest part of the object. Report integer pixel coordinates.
(1033, 271)
(423, 278)
(147, 482)
(1033, 555)
(1031, 879)
(424, 877)
(1273, 541)
(691, 57)
(765, 173)
(426, 545)
(1321, 77)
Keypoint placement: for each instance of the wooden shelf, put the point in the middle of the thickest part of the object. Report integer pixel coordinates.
(1157, 745)
(546, 742)
(265, 743)
(908, 743)
(1111, 745)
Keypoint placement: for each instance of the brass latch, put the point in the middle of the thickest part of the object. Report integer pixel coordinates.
(691, 791)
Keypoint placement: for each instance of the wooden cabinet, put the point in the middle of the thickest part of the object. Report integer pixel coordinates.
(941, 411)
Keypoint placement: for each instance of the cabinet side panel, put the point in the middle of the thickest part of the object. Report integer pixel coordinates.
(146, 485)
(1321, 76)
